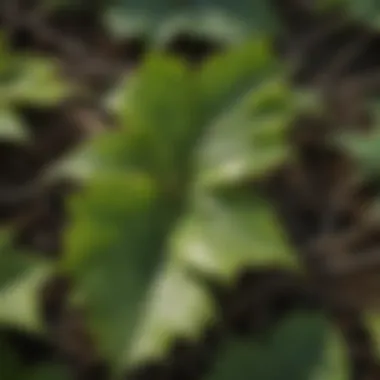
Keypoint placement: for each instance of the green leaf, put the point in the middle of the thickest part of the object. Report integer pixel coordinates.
(367, 11)
(364, 149)
(250, 140)
(225, 79)
(26, 80)
(218, 19)
(292, 353)
(30, 79)
(166, 110)
(22, 274)
(11, 127)
(36, 81)
(21, 279)
(334, 365)
(248, 106)
(222, 236)
(177, 307)
(119, 238)
(158, 113)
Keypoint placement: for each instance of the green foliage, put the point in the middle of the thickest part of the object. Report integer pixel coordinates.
(218, 19)
(242, 224)
(364, 149)
(171, 195)
(25, 80)
(365, 11)
(177, 306)
(364, 146)
(118, 246)
(298, 345)
(21, 278)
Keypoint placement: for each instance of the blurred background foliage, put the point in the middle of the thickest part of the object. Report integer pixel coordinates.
(181, 196)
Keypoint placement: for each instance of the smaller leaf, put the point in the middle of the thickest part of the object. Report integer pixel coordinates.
(20, 298)
(364, 150)
(11, 126)
(37, 82)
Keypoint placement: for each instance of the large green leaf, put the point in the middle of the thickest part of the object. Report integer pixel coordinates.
(119, 241)
(165, 110)
(116, 243)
